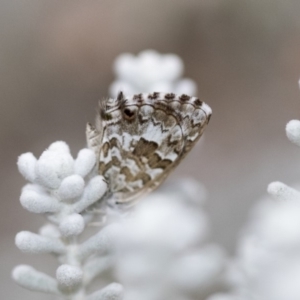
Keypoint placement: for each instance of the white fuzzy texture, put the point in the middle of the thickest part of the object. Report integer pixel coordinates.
(84, 162)
(160, 251)
(33, 243)
(71, 187)
(50, 230)
(69, 276)
(26, 165)
(267, 265)
(38, 202)
(99, 243)
(283, 192)
(29, 278)
(225, 297)
(150, 71)
(72, 225)
(60, 147)
(191, 224)
(95, 267)
(53, 166)
(196, 270)
(95, 189)
(114, 291)
(293, 131)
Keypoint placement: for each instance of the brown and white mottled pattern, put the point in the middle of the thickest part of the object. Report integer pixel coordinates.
(141, 138)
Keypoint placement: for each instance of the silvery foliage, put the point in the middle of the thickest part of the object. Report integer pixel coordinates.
(62, 189)
(149, 72)
(158, 251)
(163, 251)
(267, 262)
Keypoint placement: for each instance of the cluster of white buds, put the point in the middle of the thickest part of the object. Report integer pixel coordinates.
(267, 262)
(63, 189)
(163, 252)
(149, 72)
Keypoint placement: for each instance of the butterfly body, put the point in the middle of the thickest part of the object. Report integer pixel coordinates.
(139, 139)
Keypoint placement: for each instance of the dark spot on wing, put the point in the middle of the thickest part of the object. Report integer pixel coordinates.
(198, 102)
(170, 96)
(144, 148)
(138, 97)
(155, 162)
(120, 96)
(184, 97)
(153, 96)
(129, 114)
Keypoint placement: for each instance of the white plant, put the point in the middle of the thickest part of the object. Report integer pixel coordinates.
(158, 251)
(163, 251)
(63, 189)
(149, 72)
(267, 262)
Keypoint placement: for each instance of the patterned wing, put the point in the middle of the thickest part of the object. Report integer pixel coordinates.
(140, 139)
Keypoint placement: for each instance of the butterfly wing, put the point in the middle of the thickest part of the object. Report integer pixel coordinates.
(142, 138)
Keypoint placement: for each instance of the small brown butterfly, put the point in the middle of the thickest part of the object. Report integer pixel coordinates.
(139, 139)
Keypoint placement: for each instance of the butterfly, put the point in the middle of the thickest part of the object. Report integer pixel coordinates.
(140, 139)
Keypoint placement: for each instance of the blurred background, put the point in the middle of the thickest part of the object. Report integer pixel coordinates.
(56, 63)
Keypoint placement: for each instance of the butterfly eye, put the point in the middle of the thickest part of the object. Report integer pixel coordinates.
(128, 114)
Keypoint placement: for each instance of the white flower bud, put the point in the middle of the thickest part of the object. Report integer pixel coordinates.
(293, 131)
(33, 243)
(29, 278)
(162, 86)
(95, 189)
(100, 242)
(53, 166)
(283, 192)
(59, 146)
(124, 65)
(38, 203)
(84, 162)
(119, 85)
(114, 291)
(69, 277)
(71, 187)
(172, 66)
(186, 86)
(71, 225)
(198, 270)
(26, 165)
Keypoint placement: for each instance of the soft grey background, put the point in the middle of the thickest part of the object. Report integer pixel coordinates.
(56, 62)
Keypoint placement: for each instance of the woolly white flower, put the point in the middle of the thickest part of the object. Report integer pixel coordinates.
(268, 259)
(160, 252)
(54, 165)
(63, 189)
(150, 71)
(114, 291)
(29, 278)
(84, 162)
(72, 225)
(293, 131)
(267, 266)
(26, 164)
(69, 277)
(71, 187)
